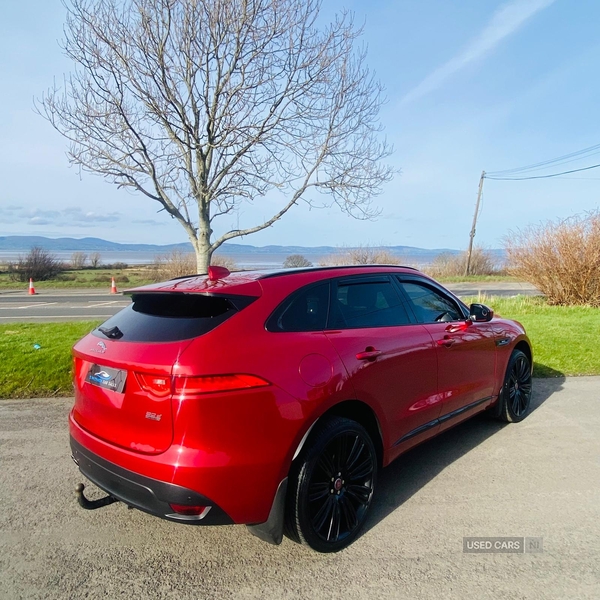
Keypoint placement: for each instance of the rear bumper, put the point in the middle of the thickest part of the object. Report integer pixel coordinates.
(147, 494)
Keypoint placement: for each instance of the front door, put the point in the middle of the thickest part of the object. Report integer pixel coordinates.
(466, 350)
(390, 359)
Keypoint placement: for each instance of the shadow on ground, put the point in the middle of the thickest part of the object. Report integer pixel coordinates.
(543, 371)
(415, 469)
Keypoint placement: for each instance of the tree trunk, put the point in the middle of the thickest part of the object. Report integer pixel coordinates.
(203, 256)
(202, 244)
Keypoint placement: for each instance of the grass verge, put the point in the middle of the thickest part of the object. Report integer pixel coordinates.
(27, 372)
(565, 339)
(86, 278)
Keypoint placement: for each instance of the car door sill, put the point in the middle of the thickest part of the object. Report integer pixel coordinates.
(462, 409)
(441, 420)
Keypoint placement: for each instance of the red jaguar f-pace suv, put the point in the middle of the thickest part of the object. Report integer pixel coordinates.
(273, 398)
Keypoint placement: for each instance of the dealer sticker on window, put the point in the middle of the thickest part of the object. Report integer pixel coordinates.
(104, 377)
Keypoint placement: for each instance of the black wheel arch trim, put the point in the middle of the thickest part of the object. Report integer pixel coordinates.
(346, 408)
(271, 530)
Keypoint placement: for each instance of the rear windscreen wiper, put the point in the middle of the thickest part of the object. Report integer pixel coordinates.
(114, 333)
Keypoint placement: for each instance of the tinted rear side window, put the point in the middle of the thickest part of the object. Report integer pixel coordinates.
(305, 310)
(368, 304)
(170, 317)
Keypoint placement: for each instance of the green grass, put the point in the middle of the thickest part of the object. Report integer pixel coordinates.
(565, 339)
(86, 278)
(29, 373)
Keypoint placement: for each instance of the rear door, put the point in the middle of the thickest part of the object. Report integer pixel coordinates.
(466, 350)
(390, 358)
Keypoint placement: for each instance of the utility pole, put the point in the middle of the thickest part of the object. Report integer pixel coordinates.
(470, 250)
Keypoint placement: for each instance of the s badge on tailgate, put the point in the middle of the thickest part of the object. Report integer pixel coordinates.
(111, 379)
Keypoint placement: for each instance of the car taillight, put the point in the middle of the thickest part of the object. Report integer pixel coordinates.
(159, 385)
(216, 383)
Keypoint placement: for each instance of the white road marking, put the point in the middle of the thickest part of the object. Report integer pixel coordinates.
(36, 305)
(109, 303)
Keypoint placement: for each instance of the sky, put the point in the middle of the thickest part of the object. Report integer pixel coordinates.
(470, 86)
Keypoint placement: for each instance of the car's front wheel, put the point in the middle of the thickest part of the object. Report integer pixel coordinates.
(331, 486)
(515, 397)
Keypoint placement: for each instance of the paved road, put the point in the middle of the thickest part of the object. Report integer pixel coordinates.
(493, 288)
(538, 478)
(78, 305)
(55, 305)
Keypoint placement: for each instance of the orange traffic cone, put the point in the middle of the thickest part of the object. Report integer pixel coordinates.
(113, 287)
(31, 288)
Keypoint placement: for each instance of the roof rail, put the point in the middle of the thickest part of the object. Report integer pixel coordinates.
(334, 267)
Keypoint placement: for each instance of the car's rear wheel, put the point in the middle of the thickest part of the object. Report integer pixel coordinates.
(331, 486)
(515, 397)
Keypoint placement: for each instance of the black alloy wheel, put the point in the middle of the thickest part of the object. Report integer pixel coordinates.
(332, 486)
(517, 389)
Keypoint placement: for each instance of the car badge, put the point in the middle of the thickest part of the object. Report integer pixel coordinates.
(101, 348)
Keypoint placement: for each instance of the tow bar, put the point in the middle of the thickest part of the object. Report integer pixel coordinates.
(91, 504)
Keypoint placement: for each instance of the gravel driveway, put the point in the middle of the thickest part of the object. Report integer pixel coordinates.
(540, 478)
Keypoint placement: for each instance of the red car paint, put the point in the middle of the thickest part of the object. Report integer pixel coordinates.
(235, 446)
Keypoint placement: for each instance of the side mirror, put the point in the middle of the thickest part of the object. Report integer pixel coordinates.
(480, 313)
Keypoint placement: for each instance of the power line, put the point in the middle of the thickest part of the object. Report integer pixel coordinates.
(524, 171)
(542, 176)
(519, 174)
(554, 161)
(580, 178)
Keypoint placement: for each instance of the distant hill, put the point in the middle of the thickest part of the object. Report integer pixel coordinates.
(23, 243)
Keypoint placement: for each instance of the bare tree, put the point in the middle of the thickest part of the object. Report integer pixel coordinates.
(222, 260)
(361, 255)
(561, 258)
(296, 260)
(78, 260)
(203, 105)
(482, 262)
(95, 259)
(38, 265)
(174, 264)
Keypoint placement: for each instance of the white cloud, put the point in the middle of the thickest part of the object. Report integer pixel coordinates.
(504, 22)
(38, 221)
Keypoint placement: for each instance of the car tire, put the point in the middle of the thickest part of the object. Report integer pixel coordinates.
(515, 395)
(331, 486)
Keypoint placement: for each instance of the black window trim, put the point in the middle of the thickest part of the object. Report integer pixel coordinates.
(434, 286)
(347, 280)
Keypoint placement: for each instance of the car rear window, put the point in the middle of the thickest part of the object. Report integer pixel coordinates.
(170, 317)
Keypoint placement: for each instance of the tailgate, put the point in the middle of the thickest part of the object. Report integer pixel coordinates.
(123, 369)
(110, 399)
